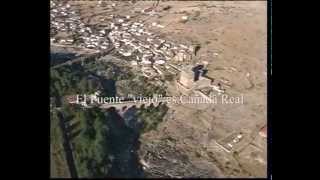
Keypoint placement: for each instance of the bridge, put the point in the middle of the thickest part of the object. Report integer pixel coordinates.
(138, 103)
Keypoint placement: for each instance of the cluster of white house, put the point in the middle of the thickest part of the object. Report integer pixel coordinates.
(130, 38)
(65, 19)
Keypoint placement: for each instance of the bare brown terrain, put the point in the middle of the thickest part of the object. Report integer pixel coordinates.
(232, 36)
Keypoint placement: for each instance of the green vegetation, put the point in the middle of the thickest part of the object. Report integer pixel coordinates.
(152, 116)
(98, 137)
(75, 80)
(141, 86)
(59, 166)
(69, 80)
(111, 70)
(91, 148)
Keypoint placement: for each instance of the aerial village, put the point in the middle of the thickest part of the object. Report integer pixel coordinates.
(151, 54)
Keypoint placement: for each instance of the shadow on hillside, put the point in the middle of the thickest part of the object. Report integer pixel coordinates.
(58, 58)
(125, 145)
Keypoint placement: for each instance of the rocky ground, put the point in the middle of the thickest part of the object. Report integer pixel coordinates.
(232, 36)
